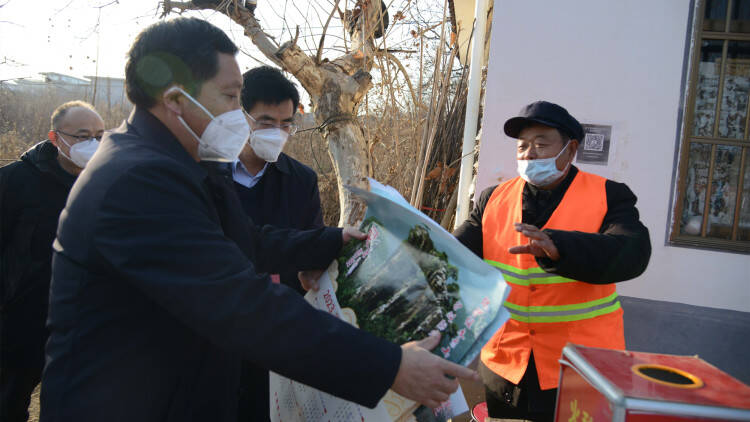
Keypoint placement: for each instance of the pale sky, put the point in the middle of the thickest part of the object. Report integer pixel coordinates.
(67, 36)
(63, 35)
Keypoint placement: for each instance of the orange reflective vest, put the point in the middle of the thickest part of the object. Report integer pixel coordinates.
(547, 310)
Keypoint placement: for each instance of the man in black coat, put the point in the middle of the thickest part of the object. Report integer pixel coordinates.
(33, 191)
(274, 189)
(156, 292)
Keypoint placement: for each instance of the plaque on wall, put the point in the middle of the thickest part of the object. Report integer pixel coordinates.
(596, 144)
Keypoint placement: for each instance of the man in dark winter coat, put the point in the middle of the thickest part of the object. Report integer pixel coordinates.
(33, 191)
(274, 189)
(158, 289)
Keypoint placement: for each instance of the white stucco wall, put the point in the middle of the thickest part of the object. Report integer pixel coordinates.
(618, 63)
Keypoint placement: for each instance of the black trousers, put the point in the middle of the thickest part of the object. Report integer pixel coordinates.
(21, 364)
(16, 386)
(254, 403)
(526, 400)
(22, 340)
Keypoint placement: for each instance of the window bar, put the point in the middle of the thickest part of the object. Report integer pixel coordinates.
(728, 21)
(723, 141)
(733, 36)
(720, 92)
(738, 198)
(747, 120)
(709, 183)
(685, 142)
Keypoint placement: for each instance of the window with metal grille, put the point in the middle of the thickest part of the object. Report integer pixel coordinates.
(713, 204)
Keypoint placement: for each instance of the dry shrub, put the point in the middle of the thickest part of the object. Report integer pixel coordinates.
(11, 146)
(393, 149)
(391, 144)
(309, 148)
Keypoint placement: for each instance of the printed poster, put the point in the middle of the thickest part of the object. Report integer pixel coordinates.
(409, 279)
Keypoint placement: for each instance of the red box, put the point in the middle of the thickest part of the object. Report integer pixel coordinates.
(599, 385)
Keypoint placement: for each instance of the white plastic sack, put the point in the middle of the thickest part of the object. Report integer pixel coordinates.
(292, 401)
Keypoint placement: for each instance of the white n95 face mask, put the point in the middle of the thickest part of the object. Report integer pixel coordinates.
(542, 171)
(267, 144)
(225, 135)
(81, 152)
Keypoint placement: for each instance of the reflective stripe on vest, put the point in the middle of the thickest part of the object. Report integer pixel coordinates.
(555, 313)
(527, 277)
(564, 313)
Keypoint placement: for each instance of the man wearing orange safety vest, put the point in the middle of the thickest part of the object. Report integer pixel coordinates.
(562, 238)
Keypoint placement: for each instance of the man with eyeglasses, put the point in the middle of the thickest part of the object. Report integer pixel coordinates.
(33, 191)
(562, 237)
(274, 189)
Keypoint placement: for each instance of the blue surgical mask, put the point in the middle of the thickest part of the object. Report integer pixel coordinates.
(542, 171)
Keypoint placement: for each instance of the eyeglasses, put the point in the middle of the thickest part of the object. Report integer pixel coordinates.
(288, 127)
(80, 138)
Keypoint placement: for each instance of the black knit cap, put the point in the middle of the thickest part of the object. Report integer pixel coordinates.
(548, 114)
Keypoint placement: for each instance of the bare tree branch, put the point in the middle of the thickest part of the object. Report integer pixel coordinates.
(248, 54)
(418, 185)
(62, 8)
(296, 36)
(395, 50)
(307, 21)
(401, 67)
(108, 4)
(241, 16)
(443, 97)
(430, 28)
(325, 29)
(179, 5)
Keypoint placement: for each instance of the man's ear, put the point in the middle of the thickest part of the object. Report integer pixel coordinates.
(52, 136)
(573, 148)
(171, 100)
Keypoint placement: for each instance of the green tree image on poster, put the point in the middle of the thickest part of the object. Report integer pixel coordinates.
(403, 295)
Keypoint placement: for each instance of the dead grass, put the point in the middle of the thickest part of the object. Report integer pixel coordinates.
(392, 153)
(34, 405)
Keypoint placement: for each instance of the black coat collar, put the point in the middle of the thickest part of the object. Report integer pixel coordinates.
(283, 163)
(147, 126)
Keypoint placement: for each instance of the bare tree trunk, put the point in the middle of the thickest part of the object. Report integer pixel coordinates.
(335, 113)
(336, 87)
